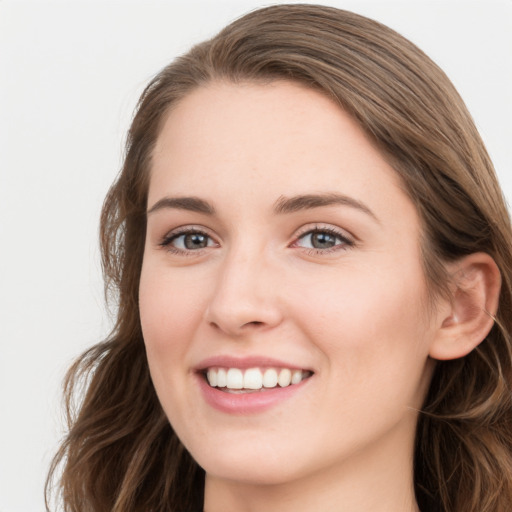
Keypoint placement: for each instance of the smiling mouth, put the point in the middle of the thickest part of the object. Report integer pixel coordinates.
(251, 380)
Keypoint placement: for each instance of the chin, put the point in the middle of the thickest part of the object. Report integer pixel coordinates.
(249, 466)
(246, 473)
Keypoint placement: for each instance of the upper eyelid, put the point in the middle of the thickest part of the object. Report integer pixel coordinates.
(309, 228)
(189, 228)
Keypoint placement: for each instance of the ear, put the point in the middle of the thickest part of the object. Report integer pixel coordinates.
(467, 319)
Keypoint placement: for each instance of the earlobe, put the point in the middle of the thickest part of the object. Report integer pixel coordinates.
(469, 317)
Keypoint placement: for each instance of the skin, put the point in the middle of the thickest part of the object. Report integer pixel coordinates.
(356, 314)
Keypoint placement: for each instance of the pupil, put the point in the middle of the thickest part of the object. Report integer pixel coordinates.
(323, 240)
(195, 241)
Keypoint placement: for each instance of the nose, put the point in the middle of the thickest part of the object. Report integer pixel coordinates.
(245, 297)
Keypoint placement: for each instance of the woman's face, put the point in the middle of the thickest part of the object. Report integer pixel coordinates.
(281, 246)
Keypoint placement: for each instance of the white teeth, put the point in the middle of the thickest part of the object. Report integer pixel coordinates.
(270, 378)
(285, 377)
(234, 379)
(254, 378)
(296, 376)
(212, 377)
(221, 377)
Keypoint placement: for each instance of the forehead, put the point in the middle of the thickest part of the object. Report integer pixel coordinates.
(269, 139)
(266, 117)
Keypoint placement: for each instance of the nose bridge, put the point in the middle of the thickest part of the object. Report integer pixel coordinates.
(244, 295)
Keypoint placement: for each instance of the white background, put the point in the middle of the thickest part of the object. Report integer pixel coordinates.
(70, 74)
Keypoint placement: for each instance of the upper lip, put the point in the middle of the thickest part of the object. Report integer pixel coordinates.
(228, 361)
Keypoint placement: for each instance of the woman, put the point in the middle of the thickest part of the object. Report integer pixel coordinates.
(312, 259)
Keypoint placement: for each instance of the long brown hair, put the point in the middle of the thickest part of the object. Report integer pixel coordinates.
(121, 454)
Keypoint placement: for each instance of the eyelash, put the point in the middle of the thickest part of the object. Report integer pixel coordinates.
(345, 244)
(171, 237)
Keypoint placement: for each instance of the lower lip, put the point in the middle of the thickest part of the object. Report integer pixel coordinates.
(247, 403)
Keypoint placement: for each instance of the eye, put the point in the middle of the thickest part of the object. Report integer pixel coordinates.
(187, 240)
(323, 240)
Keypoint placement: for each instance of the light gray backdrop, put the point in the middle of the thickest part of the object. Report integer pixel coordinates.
(70, 74)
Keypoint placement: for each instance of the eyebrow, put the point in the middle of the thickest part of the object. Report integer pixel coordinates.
(283, 205)
(308, 201)
(192, 204)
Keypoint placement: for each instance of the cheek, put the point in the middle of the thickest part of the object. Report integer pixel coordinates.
(169, 311)
(369, 324)
(362, 296)
(169, 316)
(375, 347)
